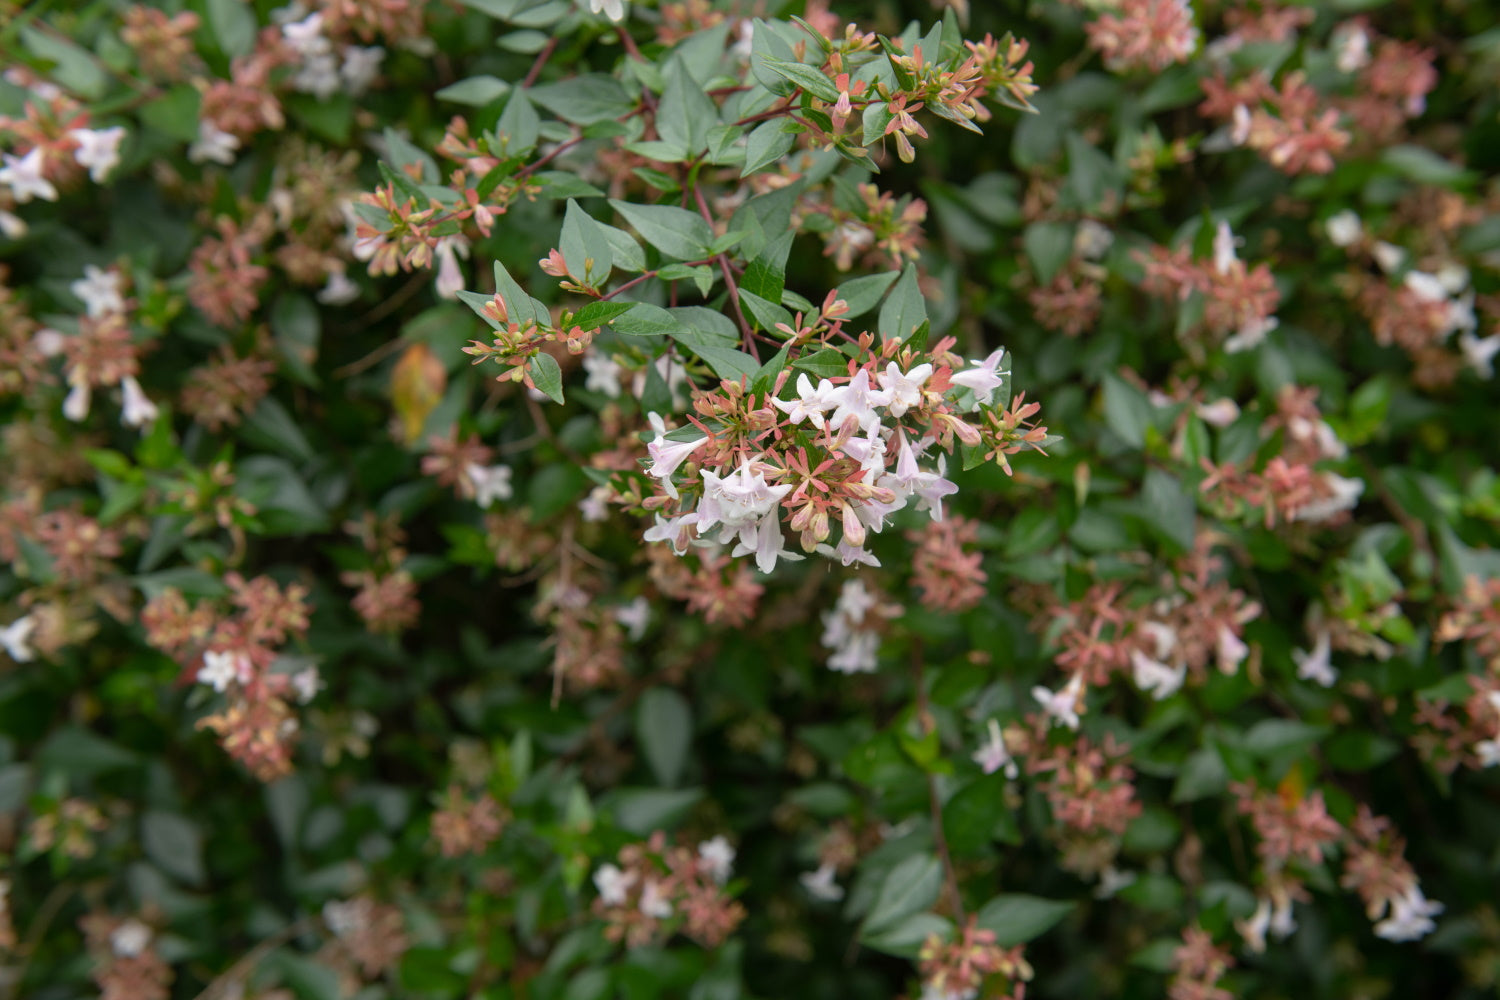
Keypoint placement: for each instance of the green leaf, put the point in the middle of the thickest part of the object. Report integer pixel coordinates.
(271, 426)
(1048, 246)
(585, 100)
(768, 143)
(1420, 164)
(1127, 410)
(863, 294)
(1203, 774)
(974, 814)
(81, 753)
(664, 730)
(298, 328)
(75, 68)
(877, 115)
(1359, 750)
(646, 320)
(676, 232)
(727, 362)
(905, 939)
(233, 24)
(912, 886)
(685, 112)
(519, 126)
(1168, 509)
(827, 363)
(645, 810)
(597, 314)
(766, 275)
(175, 113)
(627, 253)
(808, 78)
(1270, 737)
(521, 307)
(585, 247)
(546, 376)
(1016, 918)
(175, 844)
(904, 309)
(763, 313)
(476, 91)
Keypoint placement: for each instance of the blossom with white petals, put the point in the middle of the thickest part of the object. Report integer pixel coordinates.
(603, 374)
(16, 639)
(213, 145)
(491, 482)
(1154, 677)
(666, 455)
(99, 290)
(635, 616)
(1063, 705)
(614, 10)
(983, 377)
(450, 277)
(1410, 917)
(137, 409)
(1344, 228)
(904, 388)
(76, 403)
(340, 290)
(810, 403)
(718, 857)
(993, 755)
(858, 400)
(1111, 881)
(1317, 665)
(360, 67)
(654, 902)
(1480, 353)
(98, 149)
(306, 683)
(820, 884)
(24, 176)
(129, 939)
(613, 884)
(221, 668)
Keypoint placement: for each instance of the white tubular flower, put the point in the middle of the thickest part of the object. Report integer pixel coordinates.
(1224, 242)
(810, 403)
(1344, 229)
(16, 639)
(1343, 494)
(306, 683)
(613, 884)
(24, 175)
(635, 616)
(1154, 677)
(1062, 706)
(1479, 353)
(1220, 413)
(491, 482)
(340, 290)
(99, 291)
(820, 884)
(98, 150)
(654, 902)
(138, 410)
(1389, 256)
(613, 10)
(1317, 665)
(718, 857)
(993, 755)
(129, 939)
(603, 374)
(1230, 649)
(1410, 917)
(983, 377)
(360, 67)
(1254, 929)
(213, 145)
(667, 456)
(904, 390)
(450, 278)
(858, 400)
(76, 405)
(219, 670)
(1111, 881)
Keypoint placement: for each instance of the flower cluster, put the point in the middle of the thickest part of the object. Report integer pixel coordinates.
(659, 889)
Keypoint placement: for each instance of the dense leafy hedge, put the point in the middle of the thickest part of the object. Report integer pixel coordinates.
(579, 499)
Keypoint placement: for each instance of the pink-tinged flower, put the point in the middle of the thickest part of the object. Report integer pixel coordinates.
(16, 639)
(76, 403)
(98, 149)
(738, 500)
(654, 902)
(1317, 666)
(667, 456)
(491, 482)
(858, 400)
(450, 278)
(635, 616)
(1220, 413)
(25, 176)
(1230, 649)
(810, 403)
(137, 410)
(993, 756)
(674, 530)
(909, 480)
(1064, 705)
(99, 290)
(1154, 677)
(221, 668)
(983, 377)
(904, 390)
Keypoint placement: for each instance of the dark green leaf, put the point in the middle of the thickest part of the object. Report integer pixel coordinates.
(1016, 918)
(547, 376)
(664, 730)
(676, 232)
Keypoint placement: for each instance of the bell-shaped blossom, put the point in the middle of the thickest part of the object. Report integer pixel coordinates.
(98, 149)
(858, 400)
(1479, 353)
(16, 639)
(667, 456)
(904, 388)
(613, 884)
(1154, 677)
(76, 403)
(450, 276)
(739, 499)
(222, 668)
(654, 902)
(137, 409)
(340, 290)
(603, 374)
(24, 175)
(491, 482)
(1062, 706)
(820, 884)
(810, 403)
(718, 857)
(1410, 917)
(983, 377)
(993, 756)
(1344, 229)
(99, 291)
(1317, 665)
(213, 145)
(674, 530)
